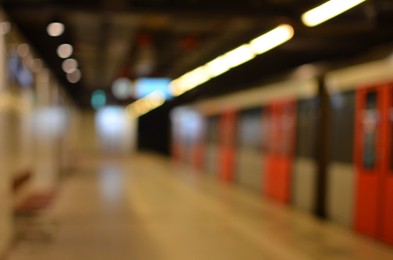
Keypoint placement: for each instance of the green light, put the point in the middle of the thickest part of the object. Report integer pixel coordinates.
(98, 99)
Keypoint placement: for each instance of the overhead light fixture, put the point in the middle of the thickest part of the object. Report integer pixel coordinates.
(195, 77)
(218, 66)
(122, 88)
(327, 11)
(239, 55)
(98, 99)
(272, 39)
(65, 50)
(232, 59)
(69, 65)
(55, 29)
(146, 104)
(190, 80)
(74, 77)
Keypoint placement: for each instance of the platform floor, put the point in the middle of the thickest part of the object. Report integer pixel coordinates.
(147, 208)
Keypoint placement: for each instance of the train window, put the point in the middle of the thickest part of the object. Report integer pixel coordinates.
(249, 129)
(265, 131)
(342, 127)
(306, 123)
(286, 129)
(370, 120)
(274, 132)
(212, 129)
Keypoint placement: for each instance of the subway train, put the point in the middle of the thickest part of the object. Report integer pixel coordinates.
(268, 139)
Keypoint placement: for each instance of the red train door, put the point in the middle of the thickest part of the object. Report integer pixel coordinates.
(368, 158)
(386, 230)
(198, 151)
(281, 149)
(227, 126)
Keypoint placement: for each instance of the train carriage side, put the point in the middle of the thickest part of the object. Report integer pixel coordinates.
(211, 145)
(264, 153)
(226, 150)
(247, 132)
(370, 181)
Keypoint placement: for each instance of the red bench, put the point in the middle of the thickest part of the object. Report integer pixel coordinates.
(27, 208)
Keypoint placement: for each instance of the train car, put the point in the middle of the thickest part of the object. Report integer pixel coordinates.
(250, 137)
(264, 136)
(360, 185)
(266, 139)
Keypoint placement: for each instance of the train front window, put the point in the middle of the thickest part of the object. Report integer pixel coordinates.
(370, 121)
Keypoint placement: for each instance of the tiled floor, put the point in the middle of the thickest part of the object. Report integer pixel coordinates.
(146, 208)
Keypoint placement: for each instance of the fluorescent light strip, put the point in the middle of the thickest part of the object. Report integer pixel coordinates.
(146, 104)
(231, 59)
(272, 39)
(239, 55)
(218, 66)
(327, 11)
(214, 68)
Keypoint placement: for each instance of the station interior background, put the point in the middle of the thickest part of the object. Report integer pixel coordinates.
(90, 98)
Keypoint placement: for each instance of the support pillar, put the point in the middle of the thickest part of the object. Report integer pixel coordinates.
(322, 148)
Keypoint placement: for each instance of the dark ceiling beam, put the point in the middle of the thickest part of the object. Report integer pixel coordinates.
(311, 44)
(121, 6)
(103, 44)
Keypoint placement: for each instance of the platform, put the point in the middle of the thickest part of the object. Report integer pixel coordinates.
(146, 207)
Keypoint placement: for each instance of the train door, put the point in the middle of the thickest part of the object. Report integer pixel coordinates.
(386, 230)
(304, 165)
(227, 146)
(281, 151)
(367, 157)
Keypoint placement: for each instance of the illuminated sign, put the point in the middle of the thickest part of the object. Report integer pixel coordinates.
(145, 86)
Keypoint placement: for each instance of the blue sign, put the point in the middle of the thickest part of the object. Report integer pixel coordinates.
(145, 86)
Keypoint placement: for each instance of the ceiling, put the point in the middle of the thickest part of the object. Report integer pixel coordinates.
(166, 38)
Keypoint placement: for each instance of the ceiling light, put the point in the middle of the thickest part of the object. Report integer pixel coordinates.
(146, 104)
(122, 88)
(175, 88)
(218, 66)
(231, 59)
(196, 77)
(69, 65)
(239, 55)
(98, 99)
(55, 29)
(74, 76)
(327, 11)
(64, 50)
(272, 39)
(190, 80)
